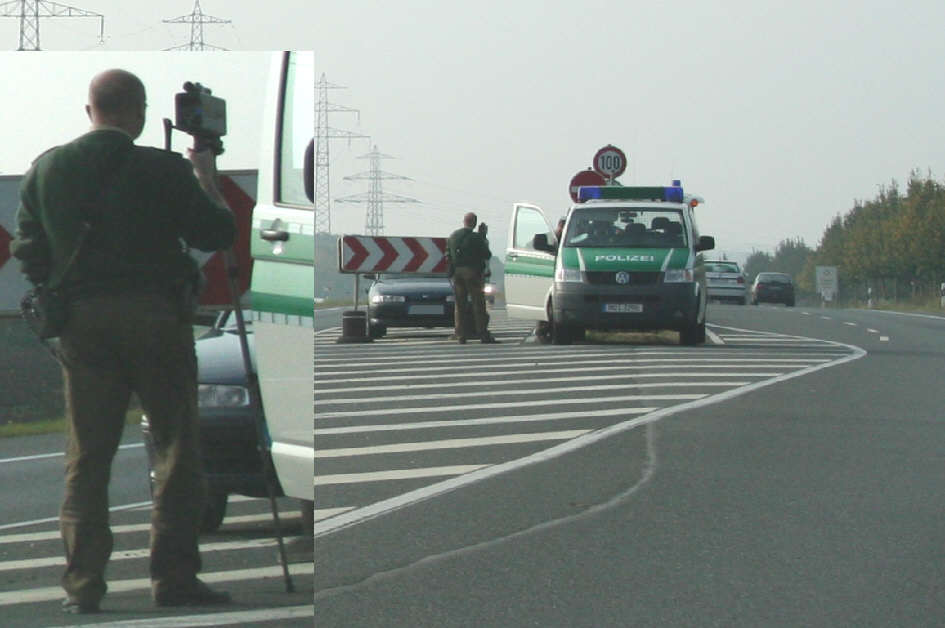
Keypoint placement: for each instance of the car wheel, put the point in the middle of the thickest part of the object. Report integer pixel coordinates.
(790, 303)
(693, 335)
(213, 512)
(543, 332)
(378, 331)
(560, 333)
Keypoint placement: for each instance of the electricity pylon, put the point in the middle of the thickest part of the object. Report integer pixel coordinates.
(29, 12)
(375, 197)
(196, 19)
(323, 133)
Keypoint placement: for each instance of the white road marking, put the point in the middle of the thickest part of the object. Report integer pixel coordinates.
(449, 443)
(56, 561)
(58, 454)
(395, 474)
(232, 618)
(324, 513)
(49, 594)
(358, 515)
(872, 331)
(321, 416)
(423, 425)
(884, 338)
(826, 318)
(360, 401)
(850, 324)
(715, 338)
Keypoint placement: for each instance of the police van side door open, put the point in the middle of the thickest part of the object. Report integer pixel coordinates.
(529, 271)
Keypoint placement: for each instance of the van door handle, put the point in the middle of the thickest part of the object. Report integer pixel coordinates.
(274, 235)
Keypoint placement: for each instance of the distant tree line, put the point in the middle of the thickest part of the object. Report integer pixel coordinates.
(894, 244)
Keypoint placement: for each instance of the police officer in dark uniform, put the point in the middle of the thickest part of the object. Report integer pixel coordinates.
(130, 290)
(468, 252)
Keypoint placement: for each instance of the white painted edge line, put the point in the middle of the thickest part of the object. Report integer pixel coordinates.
(913, 314)
(59, 454)
(715, 338)
(215, 619)
(366, 513)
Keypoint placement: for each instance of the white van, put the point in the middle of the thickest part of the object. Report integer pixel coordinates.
(282, 290)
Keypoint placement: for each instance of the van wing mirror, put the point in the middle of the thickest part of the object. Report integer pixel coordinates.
(706, 243)
(540, 243)
(308, 173)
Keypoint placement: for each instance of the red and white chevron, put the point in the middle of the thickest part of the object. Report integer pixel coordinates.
(391, 254)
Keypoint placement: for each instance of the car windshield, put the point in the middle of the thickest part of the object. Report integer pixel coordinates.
(600, 227)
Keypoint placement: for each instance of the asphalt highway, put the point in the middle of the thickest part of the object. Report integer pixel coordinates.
(787, 473)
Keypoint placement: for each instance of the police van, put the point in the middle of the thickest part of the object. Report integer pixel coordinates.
(628, 259)
(282, 290)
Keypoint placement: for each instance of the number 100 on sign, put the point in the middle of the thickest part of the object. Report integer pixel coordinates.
(610, 161)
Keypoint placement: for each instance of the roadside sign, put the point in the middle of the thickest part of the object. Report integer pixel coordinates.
(827, 282)
(584, 177)
(610, 161)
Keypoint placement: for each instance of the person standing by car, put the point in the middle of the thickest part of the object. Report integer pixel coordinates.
(468, 252)
(130, 287)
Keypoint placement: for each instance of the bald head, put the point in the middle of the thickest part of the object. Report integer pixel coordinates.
(117, 98)
(469, 220)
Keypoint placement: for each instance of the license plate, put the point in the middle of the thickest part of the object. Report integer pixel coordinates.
(424, 310)
(623, 308)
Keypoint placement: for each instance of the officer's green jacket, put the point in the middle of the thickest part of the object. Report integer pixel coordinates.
(466, 247)
(139, 228)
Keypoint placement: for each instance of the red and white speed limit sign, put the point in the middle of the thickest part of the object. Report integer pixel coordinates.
(610, 161)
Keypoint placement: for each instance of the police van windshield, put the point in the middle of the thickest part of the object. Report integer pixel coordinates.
(624, 228)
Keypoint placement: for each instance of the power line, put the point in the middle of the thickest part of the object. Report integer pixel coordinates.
(375, 197)
(197, 18)
(30, 11)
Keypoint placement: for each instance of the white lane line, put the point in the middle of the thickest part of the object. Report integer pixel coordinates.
(715, 338)
(423, 425)
(53, 535)
(58, 454)
(321, 416)
(49, 594)
(366, 513)
(23, 524)
(325, 513)
(505, 381)
(56, 561)
(826, 318)
(449, 443)
(884, 338)
(360, 401)
(231, 618)
(395, 474)
(872, 331)
(850, 324)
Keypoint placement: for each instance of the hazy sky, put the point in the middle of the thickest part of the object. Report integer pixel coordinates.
(779, 113)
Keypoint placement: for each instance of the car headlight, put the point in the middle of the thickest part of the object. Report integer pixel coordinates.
(678, 275)
(489, 288)
(451, 298)
(570, 275)
(222, 396)
(388, 298)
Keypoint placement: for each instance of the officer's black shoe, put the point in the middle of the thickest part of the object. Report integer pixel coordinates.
(488, 339)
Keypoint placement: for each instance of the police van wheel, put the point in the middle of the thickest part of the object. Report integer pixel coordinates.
(693, 335)
(560, 334)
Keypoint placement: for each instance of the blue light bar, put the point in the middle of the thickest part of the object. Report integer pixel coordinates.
(673, 194)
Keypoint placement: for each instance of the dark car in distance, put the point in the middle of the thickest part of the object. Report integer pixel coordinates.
(409, 301)
(228, 440)
(771, 287)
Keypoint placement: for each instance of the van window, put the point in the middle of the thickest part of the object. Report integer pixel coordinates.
(528, 223)
(298, 127)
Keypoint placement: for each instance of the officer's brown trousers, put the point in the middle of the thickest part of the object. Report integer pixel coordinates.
(114, 346)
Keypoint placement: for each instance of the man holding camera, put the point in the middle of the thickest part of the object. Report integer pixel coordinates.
(103, 221)
(468, 253)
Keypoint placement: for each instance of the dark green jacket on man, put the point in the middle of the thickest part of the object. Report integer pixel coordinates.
(466, 247)
(139, 228)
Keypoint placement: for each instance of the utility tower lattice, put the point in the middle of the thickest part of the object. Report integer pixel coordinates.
(196, 20)
(323, 133)
(29, 13)
(375, 197)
